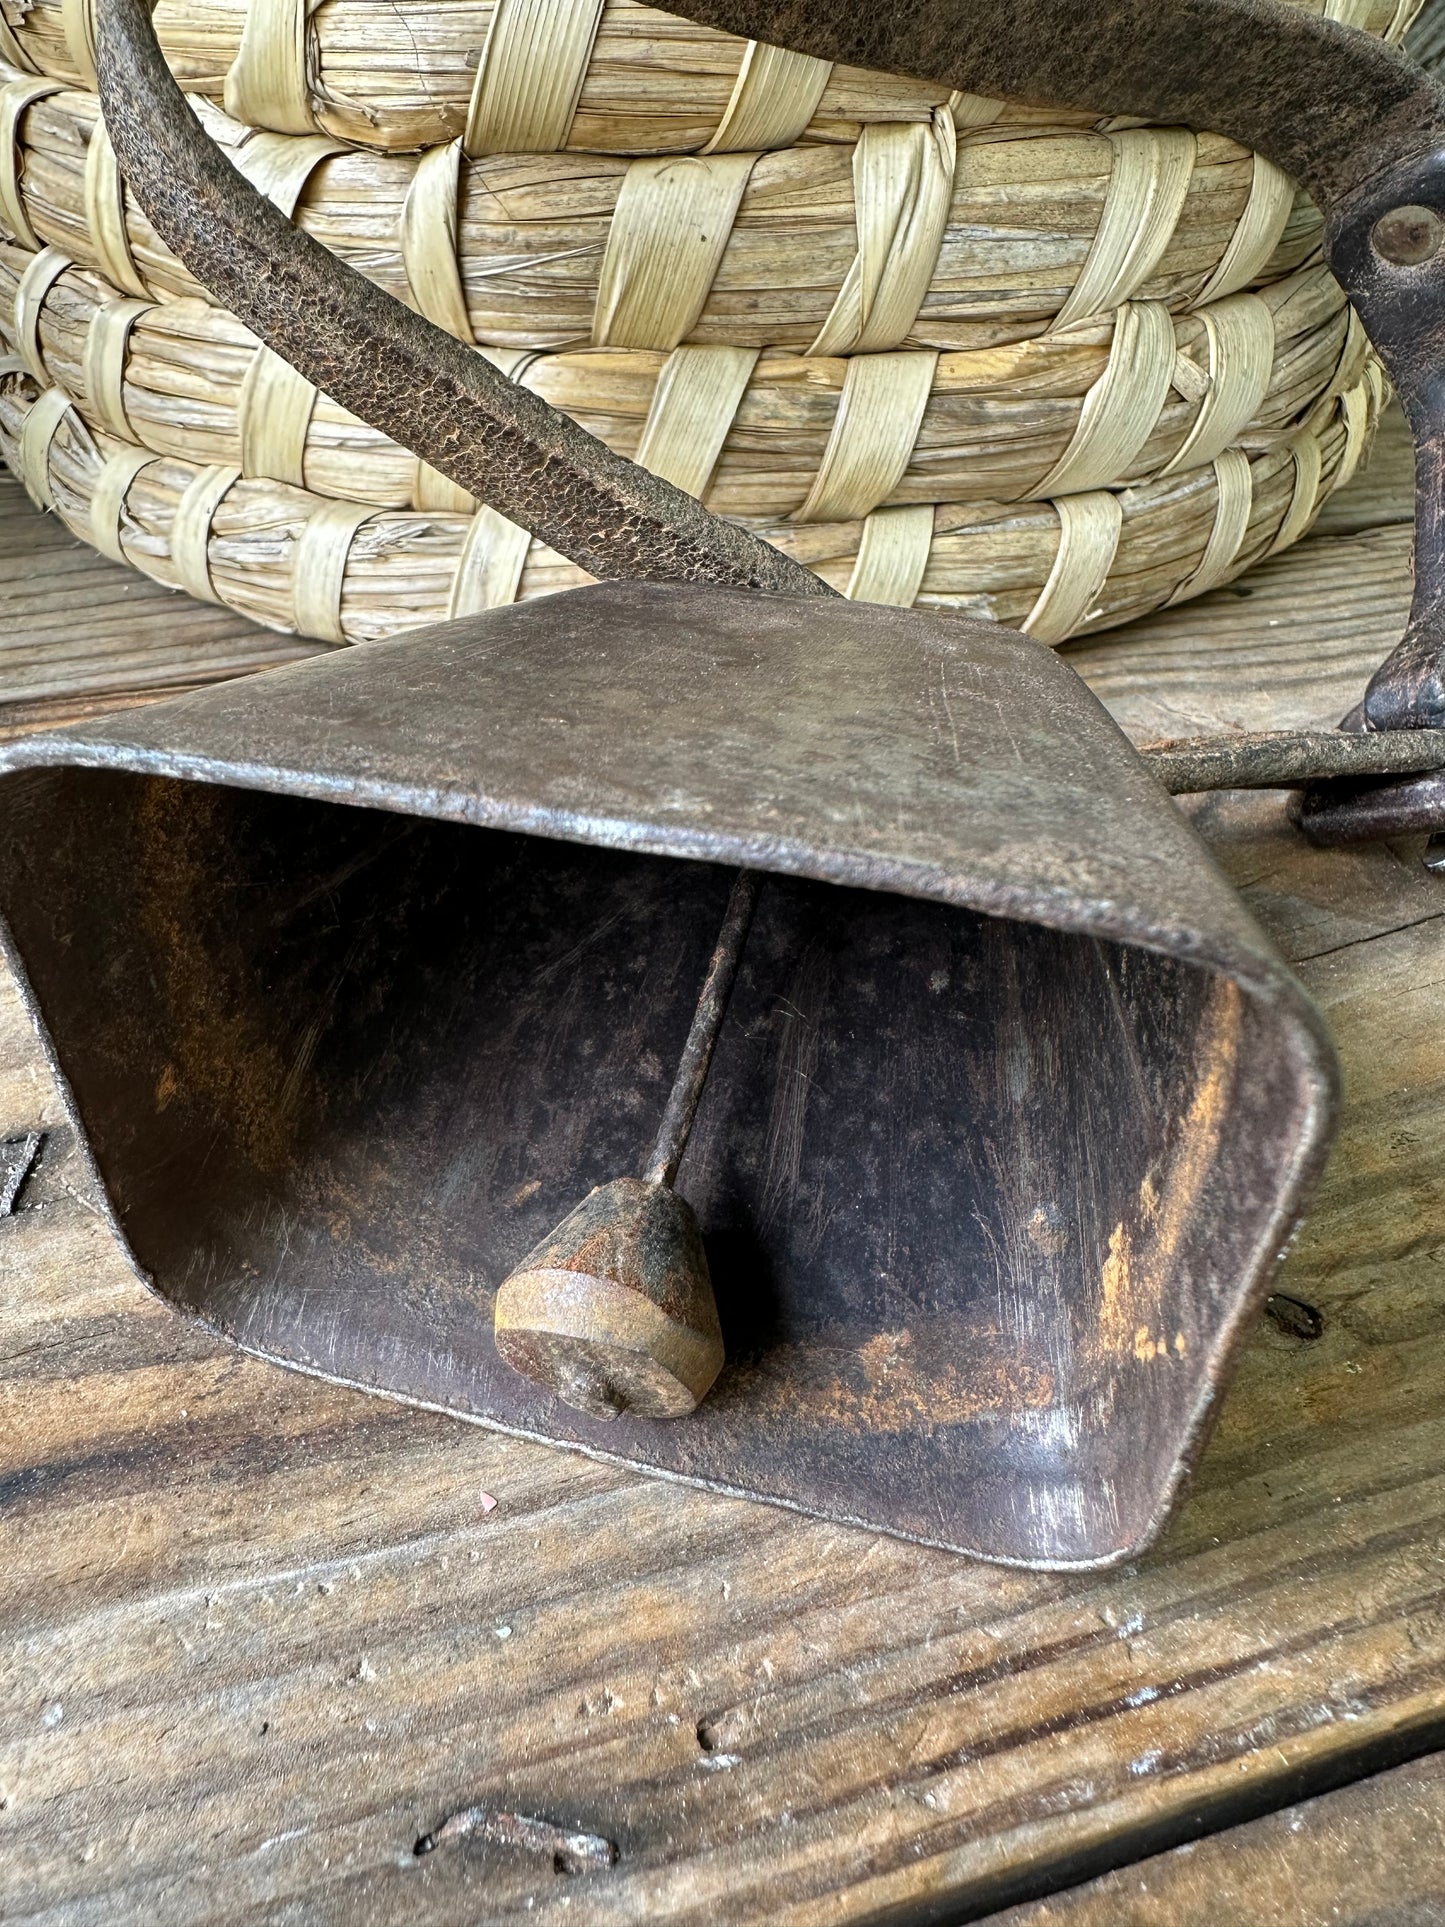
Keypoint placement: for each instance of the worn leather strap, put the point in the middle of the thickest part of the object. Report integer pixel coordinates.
(1323, 101)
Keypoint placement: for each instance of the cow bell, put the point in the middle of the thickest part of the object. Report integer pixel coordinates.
(368, 981)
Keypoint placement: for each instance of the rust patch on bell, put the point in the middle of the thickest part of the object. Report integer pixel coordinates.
(1143, 1250)
(896, 1382)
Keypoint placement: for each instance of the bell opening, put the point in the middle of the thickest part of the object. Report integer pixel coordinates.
(975, 1193)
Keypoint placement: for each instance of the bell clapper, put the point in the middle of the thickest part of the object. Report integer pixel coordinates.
(712, 1004)
(614, 1311)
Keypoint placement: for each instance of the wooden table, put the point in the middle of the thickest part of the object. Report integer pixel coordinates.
(260, 1635)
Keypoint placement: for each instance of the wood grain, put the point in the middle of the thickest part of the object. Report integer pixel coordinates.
(81, 634)
(1366, 1856)
(260, 1634)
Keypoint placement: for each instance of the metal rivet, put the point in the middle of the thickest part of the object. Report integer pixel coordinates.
(1408, 236)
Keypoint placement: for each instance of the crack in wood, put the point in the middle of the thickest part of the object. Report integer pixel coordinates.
(18, 1157)
(571, 1852)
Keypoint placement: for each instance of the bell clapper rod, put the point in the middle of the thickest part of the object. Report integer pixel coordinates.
(614, 1311)
(712, 1004)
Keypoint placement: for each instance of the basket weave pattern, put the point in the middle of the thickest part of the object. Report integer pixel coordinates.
(1099, 406)
(343, 571)
(805, 249)
(944, 350)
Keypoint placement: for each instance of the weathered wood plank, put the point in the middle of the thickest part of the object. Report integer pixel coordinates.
(262, 1633)
(1369, 1855)
(82, 634)
(1291, 644)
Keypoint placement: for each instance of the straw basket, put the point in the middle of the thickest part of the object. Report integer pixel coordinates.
(942, 349)
(349, 572)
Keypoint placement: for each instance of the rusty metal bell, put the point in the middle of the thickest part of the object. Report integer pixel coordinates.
(362, 973)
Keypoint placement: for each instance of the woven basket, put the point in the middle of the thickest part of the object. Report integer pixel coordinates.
(908, 239)
(185, 379)
(521, 76)
(348, 572)
(886, 346)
